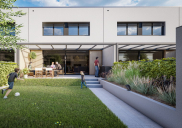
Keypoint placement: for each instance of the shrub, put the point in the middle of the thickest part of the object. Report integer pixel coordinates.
(168, 96)
(158, 68)
(25, 71)
(143, 85)
(5, 69)
(33, 55)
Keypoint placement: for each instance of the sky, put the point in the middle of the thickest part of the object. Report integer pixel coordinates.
(45, 3)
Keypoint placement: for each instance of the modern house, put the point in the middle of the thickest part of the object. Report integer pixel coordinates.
(75, 36)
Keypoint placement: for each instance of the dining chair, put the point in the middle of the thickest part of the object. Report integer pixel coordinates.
(38, 72)
(49, 72)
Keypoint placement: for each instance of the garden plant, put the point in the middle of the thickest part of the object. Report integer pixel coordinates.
(5, 69)
(154, 78)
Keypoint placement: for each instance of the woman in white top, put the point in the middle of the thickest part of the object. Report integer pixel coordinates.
(53, 66)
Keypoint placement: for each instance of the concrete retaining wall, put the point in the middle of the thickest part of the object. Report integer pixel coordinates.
(163, 114)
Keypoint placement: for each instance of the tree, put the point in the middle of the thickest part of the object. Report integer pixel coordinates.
(9, 29)
(32, 55)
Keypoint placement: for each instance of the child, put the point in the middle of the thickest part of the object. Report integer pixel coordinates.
(82, 79)
(11, 79)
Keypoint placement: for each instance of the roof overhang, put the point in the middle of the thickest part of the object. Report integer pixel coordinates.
(97, 46)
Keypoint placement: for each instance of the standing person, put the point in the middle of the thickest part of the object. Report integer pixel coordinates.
(96, 64)
(11, 79)
(82, 79)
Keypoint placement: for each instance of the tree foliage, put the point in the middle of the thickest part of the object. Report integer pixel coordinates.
(5, 69)
(9, 29)
(33, 55)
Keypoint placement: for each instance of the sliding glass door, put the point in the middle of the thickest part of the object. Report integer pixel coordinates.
(72, 62)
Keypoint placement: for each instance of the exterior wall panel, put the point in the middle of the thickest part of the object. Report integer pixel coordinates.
(92, 15)
(24, 21)
(169, 15)
(108, 56)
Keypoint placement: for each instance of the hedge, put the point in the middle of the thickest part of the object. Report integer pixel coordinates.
(5, 69)
(155, 68)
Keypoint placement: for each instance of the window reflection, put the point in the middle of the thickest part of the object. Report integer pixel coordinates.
(157, 30)
(73, 29)
(58, 29)
(132, 29)
(128, 55)
(83, 29)
(146, 30)
(121, 29)
(48, 29)
(139, 55)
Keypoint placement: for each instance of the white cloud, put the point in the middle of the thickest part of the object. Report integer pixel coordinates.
(159, 3)
(122, 3)
(108, 2)
(55, 2)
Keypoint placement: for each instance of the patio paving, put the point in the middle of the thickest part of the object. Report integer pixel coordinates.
(128, 115)
(67, 77)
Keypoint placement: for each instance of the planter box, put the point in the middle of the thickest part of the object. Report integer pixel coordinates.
(161, 113)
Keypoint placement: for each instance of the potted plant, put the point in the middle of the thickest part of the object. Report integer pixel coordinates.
(32, 55)
(25, 72)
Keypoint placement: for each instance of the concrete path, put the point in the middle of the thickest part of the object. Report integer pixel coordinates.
(128, 115)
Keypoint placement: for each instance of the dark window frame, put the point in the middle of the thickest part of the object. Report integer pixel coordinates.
(139, 28)
(66, 28)
(139, 51)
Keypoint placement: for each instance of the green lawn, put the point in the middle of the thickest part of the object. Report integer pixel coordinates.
(44, 103)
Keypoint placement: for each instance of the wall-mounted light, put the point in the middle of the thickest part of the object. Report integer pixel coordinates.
(32, 10)
(107, 10)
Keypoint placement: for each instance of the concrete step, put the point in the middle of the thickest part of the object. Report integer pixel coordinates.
(92, 82)
(94, 85)
(91, 79)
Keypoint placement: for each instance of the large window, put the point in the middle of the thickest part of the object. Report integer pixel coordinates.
(128, 55)
(66, 29)
(141, 28)
(139, 55)
(7, 55)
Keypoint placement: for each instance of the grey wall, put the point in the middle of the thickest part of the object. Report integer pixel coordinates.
(170, 54)
(108, 56)
(179, 72)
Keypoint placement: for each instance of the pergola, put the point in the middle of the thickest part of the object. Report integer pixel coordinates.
(96, 46)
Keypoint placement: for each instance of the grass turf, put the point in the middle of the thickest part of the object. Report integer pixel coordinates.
(45, 106)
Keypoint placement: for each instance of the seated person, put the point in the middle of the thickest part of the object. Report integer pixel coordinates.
(53, 66)
(58, 66)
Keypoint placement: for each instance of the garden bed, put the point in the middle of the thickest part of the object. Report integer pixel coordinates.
(154, 97)
(157, 111)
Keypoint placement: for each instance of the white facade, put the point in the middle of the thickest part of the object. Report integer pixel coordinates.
(103, 25)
